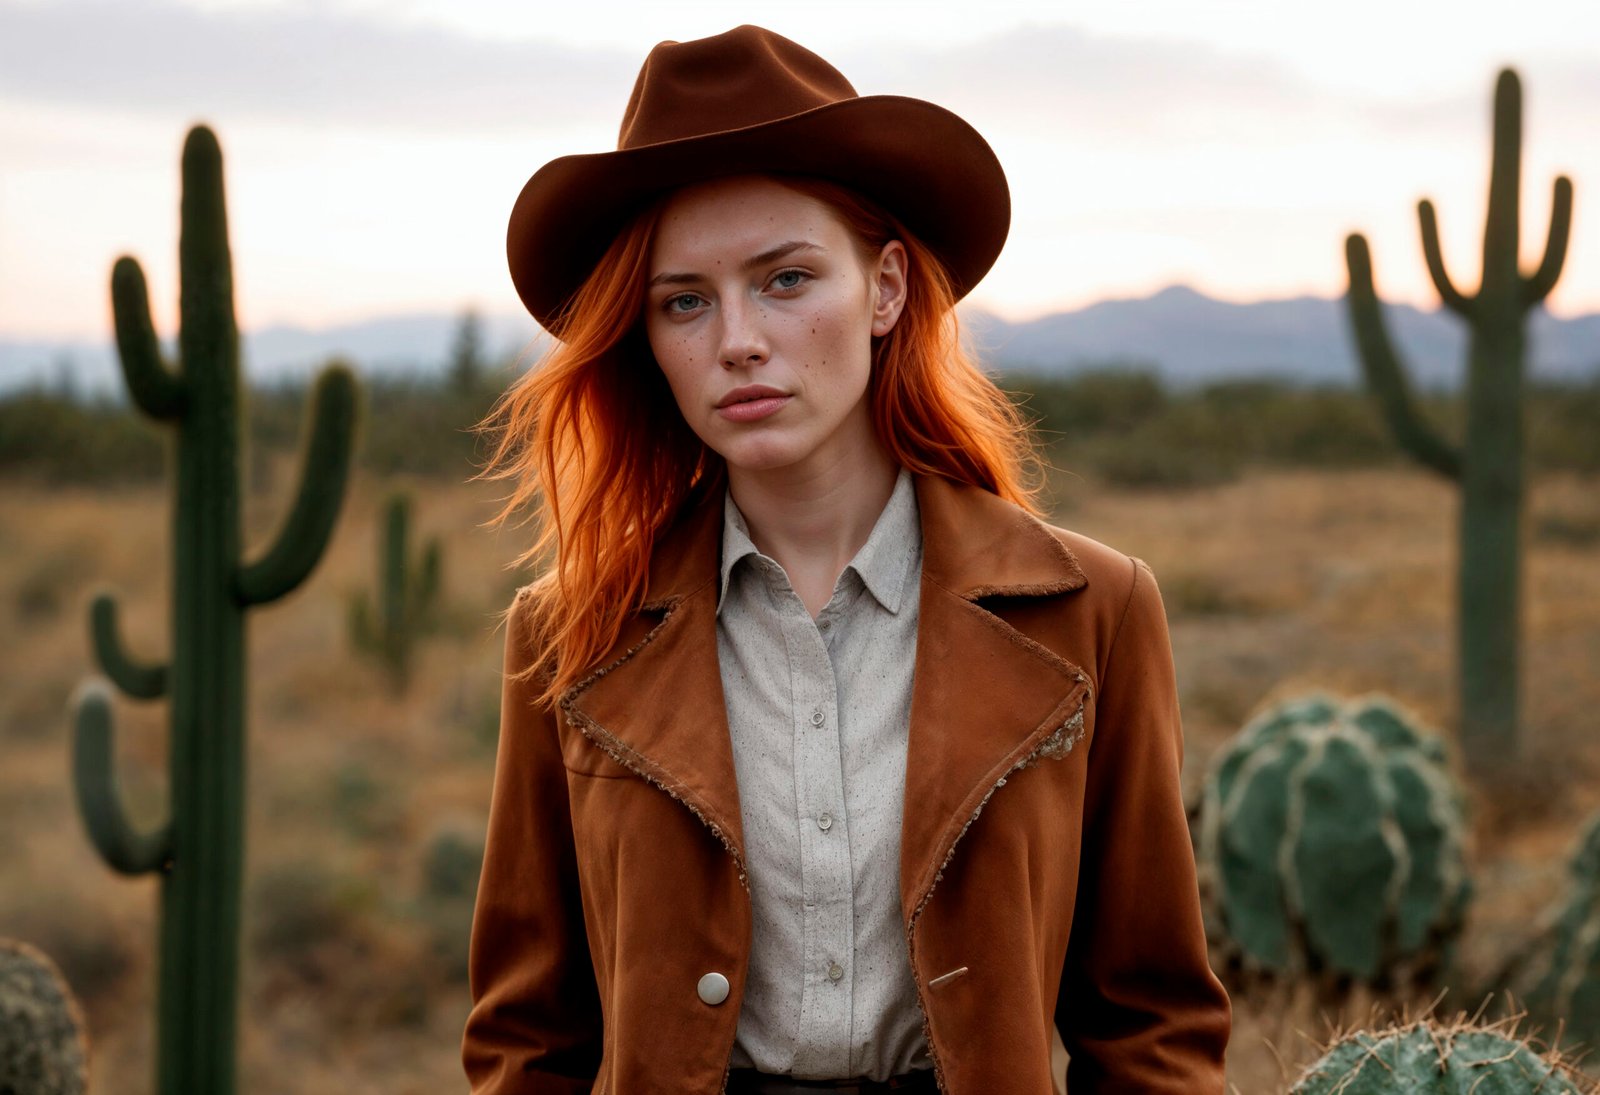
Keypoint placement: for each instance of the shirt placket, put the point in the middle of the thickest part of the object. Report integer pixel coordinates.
(826, 1009)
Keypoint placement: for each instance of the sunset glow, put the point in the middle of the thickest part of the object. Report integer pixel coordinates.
(373, 149)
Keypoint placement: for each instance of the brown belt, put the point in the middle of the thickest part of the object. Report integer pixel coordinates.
(747, 1081)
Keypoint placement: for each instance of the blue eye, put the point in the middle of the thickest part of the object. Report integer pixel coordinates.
(683, 302)
(788, 279)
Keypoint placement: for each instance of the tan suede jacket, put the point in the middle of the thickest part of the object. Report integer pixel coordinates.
(1046, 870)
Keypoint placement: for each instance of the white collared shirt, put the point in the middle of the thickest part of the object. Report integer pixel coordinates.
(819, 713)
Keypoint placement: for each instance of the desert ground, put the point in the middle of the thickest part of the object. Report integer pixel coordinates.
(1278, 582)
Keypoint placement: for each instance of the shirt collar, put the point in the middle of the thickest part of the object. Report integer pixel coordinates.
(882, 563)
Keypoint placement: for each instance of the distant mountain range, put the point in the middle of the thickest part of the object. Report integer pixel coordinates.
(1185, 336)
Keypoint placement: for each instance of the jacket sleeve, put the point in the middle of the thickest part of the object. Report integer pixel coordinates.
(1139, 1010)
(534, 1027)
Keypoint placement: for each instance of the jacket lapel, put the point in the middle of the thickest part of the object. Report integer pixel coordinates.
(984, 696)
(658, 707)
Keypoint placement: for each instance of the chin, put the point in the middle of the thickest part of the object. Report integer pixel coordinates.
(761, 454)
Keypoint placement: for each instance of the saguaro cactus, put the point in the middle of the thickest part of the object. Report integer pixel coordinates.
(199, 851)
(1488, 463)
(406, 595)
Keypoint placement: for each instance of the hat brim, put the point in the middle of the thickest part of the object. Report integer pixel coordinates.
(919, 161)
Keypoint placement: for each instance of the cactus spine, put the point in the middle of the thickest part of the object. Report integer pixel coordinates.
(406, 595)
(199, 851)
(1488, 464)
(43, 1047)
(1331, 843)
(1427, 1057)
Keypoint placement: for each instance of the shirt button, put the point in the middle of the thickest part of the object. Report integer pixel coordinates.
(816, 717)
(835, 971)
(713, 988)
(824, 821)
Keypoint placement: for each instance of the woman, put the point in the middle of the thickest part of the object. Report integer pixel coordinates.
(801, 627)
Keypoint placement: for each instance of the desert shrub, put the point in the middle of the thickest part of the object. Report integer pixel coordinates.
(363, 803)
(1097, 401)
(451, 864)
(330, 938)
(94, 956)
(56, 440)
(44, 1047)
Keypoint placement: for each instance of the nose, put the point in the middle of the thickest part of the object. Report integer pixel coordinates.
(743, 341)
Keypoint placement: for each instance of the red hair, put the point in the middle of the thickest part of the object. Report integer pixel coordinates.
(582, 436)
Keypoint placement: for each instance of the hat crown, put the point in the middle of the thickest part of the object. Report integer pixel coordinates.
(745, 77)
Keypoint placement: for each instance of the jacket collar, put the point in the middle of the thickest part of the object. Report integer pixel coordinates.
(892, 551)
(985, 698)
(974, 543)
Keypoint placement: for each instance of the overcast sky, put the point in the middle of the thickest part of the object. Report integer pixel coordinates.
(374, 147)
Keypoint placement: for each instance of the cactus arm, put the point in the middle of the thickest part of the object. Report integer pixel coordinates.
(94, 779)
(1536, 288)
(156, 389)
(1384, 373)
(139, 680)
(324, 469)
(426, 588)
(1452, 297)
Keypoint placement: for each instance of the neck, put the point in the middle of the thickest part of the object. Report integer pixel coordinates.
(812, 519)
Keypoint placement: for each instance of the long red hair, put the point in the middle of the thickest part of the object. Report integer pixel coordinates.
(582, 437)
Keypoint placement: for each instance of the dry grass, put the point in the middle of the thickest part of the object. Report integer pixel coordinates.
(1282, 581)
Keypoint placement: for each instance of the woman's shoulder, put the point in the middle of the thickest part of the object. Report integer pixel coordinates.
(1101, 564)
(1097, 558)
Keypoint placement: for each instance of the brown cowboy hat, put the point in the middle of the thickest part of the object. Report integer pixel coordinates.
(751, 101)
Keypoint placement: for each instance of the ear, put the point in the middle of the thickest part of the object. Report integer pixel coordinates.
(889, 283)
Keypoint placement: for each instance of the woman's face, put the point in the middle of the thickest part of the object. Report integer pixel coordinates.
(761, 313)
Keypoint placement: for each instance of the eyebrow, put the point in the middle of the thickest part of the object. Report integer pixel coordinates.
(771, 254)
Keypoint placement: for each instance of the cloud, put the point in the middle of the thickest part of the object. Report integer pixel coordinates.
(302, 66)
(1077, 83)
(330, 67)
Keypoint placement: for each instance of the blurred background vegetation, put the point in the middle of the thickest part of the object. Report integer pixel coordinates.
(1118, 423)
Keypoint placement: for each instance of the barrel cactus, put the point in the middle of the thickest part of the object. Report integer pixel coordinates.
(1331, 843)
(1447, 1058)
(1557, 977)
(43, 1049)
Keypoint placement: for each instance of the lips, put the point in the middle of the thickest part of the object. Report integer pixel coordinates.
(749, 393)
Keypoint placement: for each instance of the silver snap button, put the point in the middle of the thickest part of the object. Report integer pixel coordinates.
(824, 821)
(713, 988)
(835, 971)
(817, 717)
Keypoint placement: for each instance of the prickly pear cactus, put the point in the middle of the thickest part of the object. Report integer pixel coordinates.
(1557, 978)
(43, 1048)
(1429, 1057)
(407, 593)
(199, 852)
(1331, 842)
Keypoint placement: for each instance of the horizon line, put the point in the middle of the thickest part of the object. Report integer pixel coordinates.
(968, 305)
